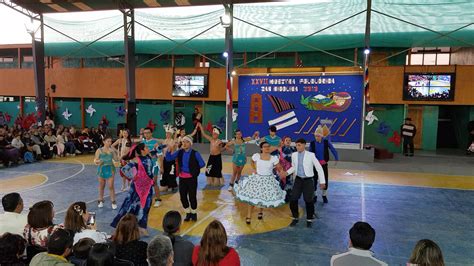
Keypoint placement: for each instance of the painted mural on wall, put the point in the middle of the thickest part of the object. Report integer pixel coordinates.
(297, 105)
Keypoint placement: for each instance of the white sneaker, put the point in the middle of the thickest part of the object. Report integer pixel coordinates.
(114, 206)
(230, 188)
(101, 204)
(157, 203)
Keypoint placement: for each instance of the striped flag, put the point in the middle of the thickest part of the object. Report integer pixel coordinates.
(229, 91)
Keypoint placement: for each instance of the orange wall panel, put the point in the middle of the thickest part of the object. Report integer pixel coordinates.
(17, 82)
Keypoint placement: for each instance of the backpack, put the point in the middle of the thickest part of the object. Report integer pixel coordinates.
(28, 157)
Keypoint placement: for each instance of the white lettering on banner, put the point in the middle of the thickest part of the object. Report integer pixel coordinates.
(315, 81)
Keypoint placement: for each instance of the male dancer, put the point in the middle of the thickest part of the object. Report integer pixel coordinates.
(189, 164)
(152, 143)
(273, 140)
(168, 171)
(302, 164)
(408, 132)
(320, 147)
(214, 163)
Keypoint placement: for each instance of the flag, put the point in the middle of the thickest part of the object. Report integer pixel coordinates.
(229, 92)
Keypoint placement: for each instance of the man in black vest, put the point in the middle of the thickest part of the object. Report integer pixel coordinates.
(190, 163)
(408, 132)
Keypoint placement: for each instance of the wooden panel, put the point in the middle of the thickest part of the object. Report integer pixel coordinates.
(416, 115)
(386, 84)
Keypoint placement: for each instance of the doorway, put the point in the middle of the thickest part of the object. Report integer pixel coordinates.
(416, 115)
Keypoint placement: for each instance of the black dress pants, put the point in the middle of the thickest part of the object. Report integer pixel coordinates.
(188, 191)
(302, 186)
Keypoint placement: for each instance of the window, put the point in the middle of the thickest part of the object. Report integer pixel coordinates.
(6, 99)
(6, 59)
(429, 56)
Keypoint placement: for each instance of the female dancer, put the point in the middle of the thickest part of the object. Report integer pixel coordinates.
(286, 183)
(261, 190)
(104, 158)
(123, 145)
(239, 157)
(140, 195)
(168, 171)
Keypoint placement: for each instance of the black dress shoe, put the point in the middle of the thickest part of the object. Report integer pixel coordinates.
(325, 199)
(294, 222)
(309, 224)
(188, 217)
(194, 216)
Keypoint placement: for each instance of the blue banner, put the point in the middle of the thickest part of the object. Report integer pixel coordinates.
(300, 105)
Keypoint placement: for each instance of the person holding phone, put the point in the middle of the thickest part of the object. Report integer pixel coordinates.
(82, 223)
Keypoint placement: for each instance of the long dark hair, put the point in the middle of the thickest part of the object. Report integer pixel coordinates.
(171, 224)
(134, 152)
(127, 230)
(213, 244)
(41, 214)
(74, 220)
(261, 145)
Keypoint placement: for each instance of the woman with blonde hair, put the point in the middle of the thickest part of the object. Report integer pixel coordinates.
(426, 253)
(213, 249)
(127, 241)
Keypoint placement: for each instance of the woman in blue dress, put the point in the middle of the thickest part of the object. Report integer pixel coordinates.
(239, 156)
(140, 195)
(104, 158)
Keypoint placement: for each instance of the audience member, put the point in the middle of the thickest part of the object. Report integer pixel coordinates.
(127, 241)
(213, 249)
(182, 249)
(426, 253)
(76, 221)
(160, 251)
(80, 251)
(12, 221)
(362, 236)
(59, 248)
(39, 228)
(12, 248)
(103, 254)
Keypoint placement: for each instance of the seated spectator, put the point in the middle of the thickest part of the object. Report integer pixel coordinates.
(60, 144)
(127, 241)
(37, 139)
(59, 248)
(80, 251)
(8, 153)
(182, 249)
(102, 254)
(12, 248)
(39, 228)
(362, 236)
(160, 251)
(426, 253)
(31, 146)
(51, 140)
(17, 143)
(76, 221)
(213, 249)
(12, 221)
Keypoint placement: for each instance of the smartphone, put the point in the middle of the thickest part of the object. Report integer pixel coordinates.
(91, 220)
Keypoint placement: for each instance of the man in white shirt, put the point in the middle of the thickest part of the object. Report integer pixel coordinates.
(302, 164)
(12, 221)
(362, 236)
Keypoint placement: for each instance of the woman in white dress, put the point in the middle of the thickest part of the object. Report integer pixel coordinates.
(261, 189)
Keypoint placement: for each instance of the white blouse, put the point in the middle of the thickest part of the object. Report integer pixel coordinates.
(265, 167)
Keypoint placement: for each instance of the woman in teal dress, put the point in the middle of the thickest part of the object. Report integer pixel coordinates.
(239, 157)
(104, 158)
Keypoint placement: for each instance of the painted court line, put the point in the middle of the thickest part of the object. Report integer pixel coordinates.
(362, 200)
(58, 181)
(203, 219)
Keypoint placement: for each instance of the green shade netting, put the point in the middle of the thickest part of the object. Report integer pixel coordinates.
(288, 19)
